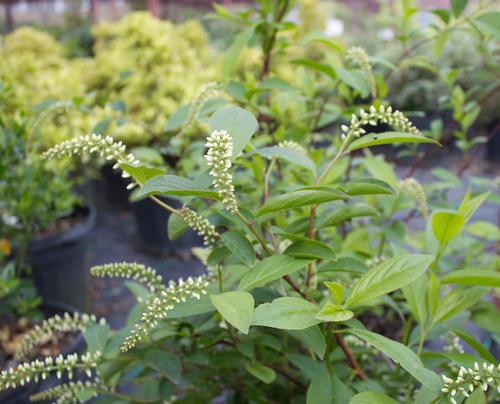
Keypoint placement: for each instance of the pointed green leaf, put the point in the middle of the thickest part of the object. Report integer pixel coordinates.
(372, 397)
(261, 372)
(232, 54)
(377, 139)
(336, 290)
(175, 185)
(473, 277)
(367, 186)
(446, 226)
(490, 23)
(388, 276)
(350, 211)
(458, 6)
(176, 227)
(286, 313)
(236, 307)
(333, 312)
(270, 269)
(141, 173)
(312, 338)
(310, 249)
(458, 300)
(290, 155)
(239, 246)
(401, 354)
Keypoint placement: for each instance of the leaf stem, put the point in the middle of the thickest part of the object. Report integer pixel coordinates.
(349, 355)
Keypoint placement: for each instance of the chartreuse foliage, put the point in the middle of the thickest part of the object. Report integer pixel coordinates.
(317, 289)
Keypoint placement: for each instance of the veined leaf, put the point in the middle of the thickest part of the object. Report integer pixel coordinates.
(319, 67)
(336, 290)
(458, 300)
(401, 354)
(354, 78)
(236, 307)
(175, 185)
(286, 313)
(192, 307)
(310, 249)
(350, 211)
(176, 227)
(344, 264)
(239, 246)
(300, 198)
(472, 341)
(388, 276)
(367, 186)
(416, 296)
(312, 338)
(141, 173)
(239, 124)
(377, 139)
(261, 372)
(334, 312)
(270, 269)
(469, 204)
(231, 56)
(473, 277)
(319, 37)
(446, 226)
(290, 155)
(164, 362)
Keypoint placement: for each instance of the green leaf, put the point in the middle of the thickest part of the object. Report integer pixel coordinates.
(401, 354)
(416, 296)
(310, 249)
(388, 276)
(377, 139)
(336, 290)
(320, 389)
(239, 123)
(176, 227)
(232, 54)
(96, 337)
(236, 307)
(344, 264)
(312, 338)
(443, 14)
(446, 226)
(372, 397)
(141, 173)
(472, 341)
(458, 6)
(319, 67)
(192, 307)
(367, 186)
(319, 37)
(458, 300)
(290, 155)
(473, 277)
(177, 119)
(239, 246)
(164, 362)
(469, 205)
(261, 372)
(334, 312)
(286, 313)
(484, 230)
(355, 79)
(433, 294)
(350, 211)
(270, 269)
(175, 185)
(490, 23)
(300, 198)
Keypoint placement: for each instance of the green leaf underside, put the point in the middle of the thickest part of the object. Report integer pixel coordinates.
(239, 246)
(236, 307)
(367, 186)
(388, 276)
(239, 124)
(300, 198)
(473, 277)
(310, 249)
(270, 269)
(176, 227)
(378, 139)
(286, 313)
(401, 354)
(176, 186)
(290, 155)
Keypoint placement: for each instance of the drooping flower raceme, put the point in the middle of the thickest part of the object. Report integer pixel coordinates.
(360, 57)
(220, 150)
(384, 115)
(133, 271)
(68, 392)
(208, 90)
(160, 304)
(201, 225)
(469, 379)
(415, 189)
(40, 334)
(290, 144)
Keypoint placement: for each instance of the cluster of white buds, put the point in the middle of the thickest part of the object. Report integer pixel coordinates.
(133, 271)
(383, 114)
(453, 344)
(104, 146)
(372, 262)
(40, 369)
(469, 379)
(415, 189)
(220, 150)
(160, 304)
(46, 331)
(209, 90)
(201, 225)
(290, 144)
(359, 56)
(68, 392)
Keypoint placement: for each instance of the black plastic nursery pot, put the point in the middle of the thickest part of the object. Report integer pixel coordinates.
(21, 394)
(151, 220)
(59, 263)
(115, 186)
